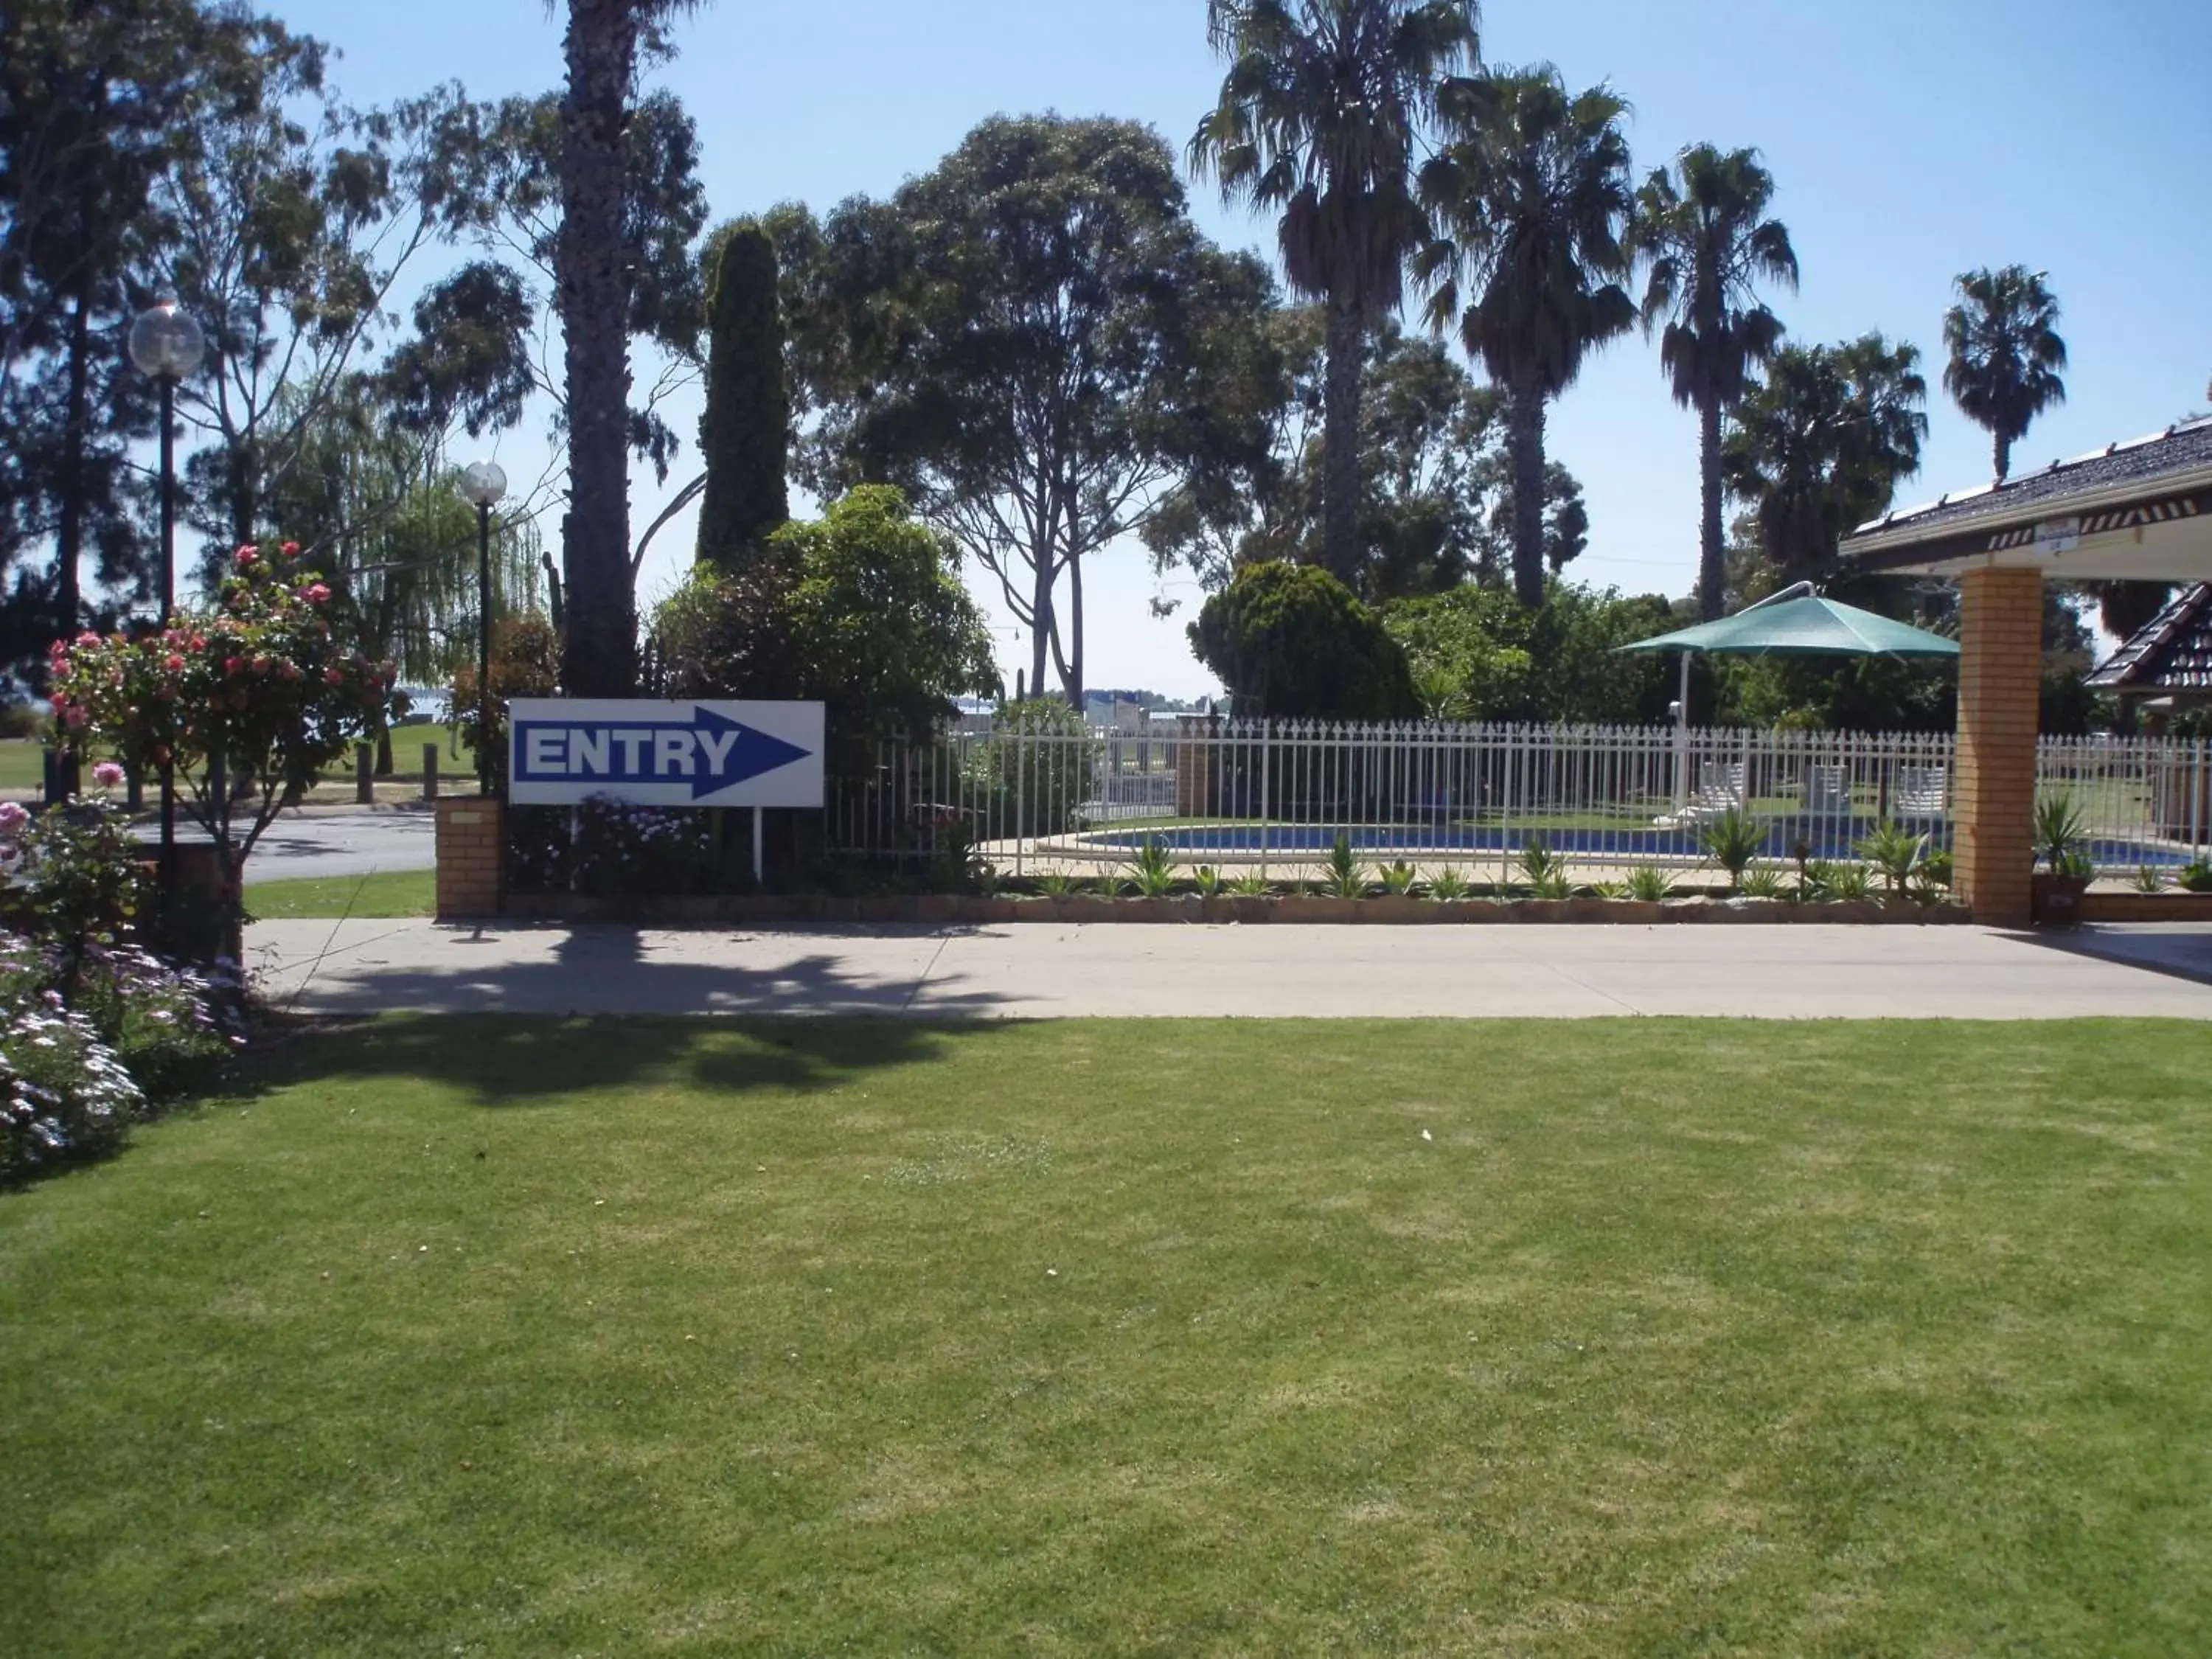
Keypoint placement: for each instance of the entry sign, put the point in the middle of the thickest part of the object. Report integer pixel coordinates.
(565, 749)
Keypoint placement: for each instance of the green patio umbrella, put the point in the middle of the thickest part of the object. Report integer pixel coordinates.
(1795, 622)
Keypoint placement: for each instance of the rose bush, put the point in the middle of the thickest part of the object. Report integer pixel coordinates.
(248, 703)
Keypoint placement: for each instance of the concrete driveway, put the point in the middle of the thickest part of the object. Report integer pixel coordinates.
(1041, 970)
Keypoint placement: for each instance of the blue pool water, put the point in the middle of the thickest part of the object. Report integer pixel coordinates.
(1830, 838)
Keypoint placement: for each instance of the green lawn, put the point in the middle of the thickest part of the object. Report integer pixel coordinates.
(385, 894)
(620, 1338)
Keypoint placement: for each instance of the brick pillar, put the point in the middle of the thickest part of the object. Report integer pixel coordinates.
(1195, 767)
(2000, 685)
(472, 846)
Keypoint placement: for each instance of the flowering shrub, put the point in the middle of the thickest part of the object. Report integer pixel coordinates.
(75, 873)
(76, 1073)
(614, 850)
(249, 703)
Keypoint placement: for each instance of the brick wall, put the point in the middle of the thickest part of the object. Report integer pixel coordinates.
(2000, 686)
(1195, 767)
(471, 842)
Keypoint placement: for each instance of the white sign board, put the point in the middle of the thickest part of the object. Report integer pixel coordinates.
(565, 749)
(2056, 536)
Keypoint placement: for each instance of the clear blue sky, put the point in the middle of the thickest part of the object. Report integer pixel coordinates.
(1910, 139)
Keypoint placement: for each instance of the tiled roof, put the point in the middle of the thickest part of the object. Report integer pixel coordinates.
(2172, 652)
(2186, 447)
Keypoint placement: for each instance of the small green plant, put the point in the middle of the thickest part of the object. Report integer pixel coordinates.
(1347, 878)
(1547, 871)
(1207, 879)
(1649, 883)
(1609, 890)
(1895, 851)
(1152, 871)
(2060, 837)
(1447, 885)
(956, 864)
(1398, 879)
(1830, 882)
(1763, 881)
(2195, 878)
(1931, 880)
(2150, 879)
(1251, 885)
(2073, 865)
(1732, 840)
(1058, 884)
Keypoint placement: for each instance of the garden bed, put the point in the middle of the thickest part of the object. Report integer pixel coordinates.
(767, 909)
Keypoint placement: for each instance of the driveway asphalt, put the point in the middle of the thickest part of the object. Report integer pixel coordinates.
(1041, 970)
(344, 842)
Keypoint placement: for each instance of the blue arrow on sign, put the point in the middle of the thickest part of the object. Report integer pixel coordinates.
(712, 754)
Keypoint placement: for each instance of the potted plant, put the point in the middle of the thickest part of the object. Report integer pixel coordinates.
(2063, 848)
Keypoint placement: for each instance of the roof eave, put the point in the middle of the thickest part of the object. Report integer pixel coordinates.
(1868, 544)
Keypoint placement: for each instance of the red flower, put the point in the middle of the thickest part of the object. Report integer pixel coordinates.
(60, 701)
(87, 638)
(173, 663)
(233, 664)
(318, 593)
(291, 550)
(246, 554)
(334, 676)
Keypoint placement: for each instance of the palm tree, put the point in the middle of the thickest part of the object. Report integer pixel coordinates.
(1318, 119)
(2005, 354)
(1532, 191)
(1821, 447)
(594, 262)
(1705, 231)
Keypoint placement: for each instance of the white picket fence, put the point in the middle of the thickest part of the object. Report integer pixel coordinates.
(1278, 793)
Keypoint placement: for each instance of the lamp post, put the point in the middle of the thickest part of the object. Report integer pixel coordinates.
(168, 344)
(483, 483)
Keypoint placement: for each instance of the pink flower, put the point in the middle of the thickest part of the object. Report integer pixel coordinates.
(334, 676)
(233, 665)
(13, 817)
(261, 664)
(75, 716)
(318, 593)
(291, 550)
(108, 774)
(87, 638)
(246, 554)
(60, 701)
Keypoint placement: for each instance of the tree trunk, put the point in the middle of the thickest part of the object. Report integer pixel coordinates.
(1074, 676)
(1525, 417)
(594, 265)
(1041, 623)
(1712, 559)
(1339, 493)
(68, 528)
(2003, 457)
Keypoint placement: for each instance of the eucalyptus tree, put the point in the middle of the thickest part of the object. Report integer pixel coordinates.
(1821, 446)
(1037, 344)
(2006, 354)
(1320, 120)
(1705, 229)
(1531, 197)
(595, 263)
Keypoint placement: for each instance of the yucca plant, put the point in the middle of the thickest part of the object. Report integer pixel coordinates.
(1547, 871)
(1732, 840)
(1763, 881)
(1447, 885)
(1347, 876)
(2196, 877)
(1152, 871)
(1647, 884)
(1895, 851)
(2150, 879)
(1609, 890)
(2060, 838)
(1058, 884)
(1398, 879)
(1828, 882)
(1251, 885)
(1208, 881)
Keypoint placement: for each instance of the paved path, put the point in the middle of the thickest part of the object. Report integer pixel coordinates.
(1039, 969)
